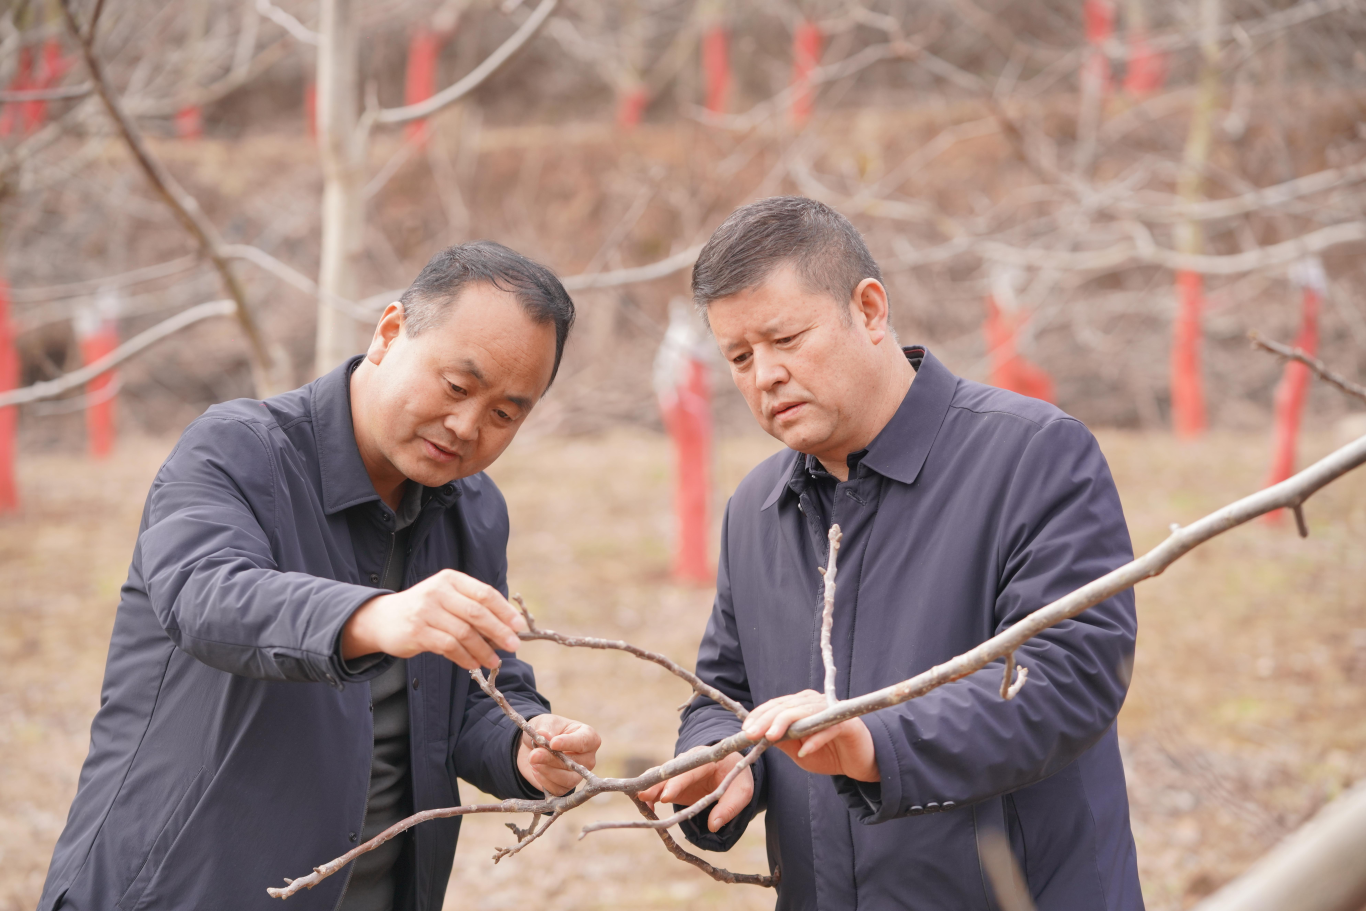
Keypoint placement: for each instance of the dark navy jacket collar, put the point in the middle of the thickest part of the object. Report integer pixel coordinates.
(900, 448)
(345, 482)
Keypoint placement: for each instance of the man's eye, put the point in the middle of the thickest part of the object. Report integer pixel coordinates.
(740, 358)
(457, 389)
(785, 339)
(502, 414)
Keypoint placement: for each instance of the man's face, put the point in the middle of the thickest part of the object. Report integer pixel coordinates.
(800, 365)
(449, 401)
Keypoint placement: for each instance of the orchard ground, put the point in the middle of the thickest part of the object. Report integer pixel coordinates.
(1244, 715)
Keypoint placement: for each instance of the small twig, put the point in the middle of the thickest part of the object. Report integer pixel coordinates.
(828, 616)
(486, 684)
(535, 633)
(687, 812)
(716, 873)
(524, 836)
(1322, 370)
(1300, 525)
(185, 207)
(523, 833)
(51, 389)
(475, 77)
(18, 96)
(1008, 689)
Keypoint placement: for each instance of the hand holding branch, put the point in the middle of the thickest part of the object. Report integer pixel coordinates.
(695, 785)
(574, 739)
(843, 749)
(450, 614)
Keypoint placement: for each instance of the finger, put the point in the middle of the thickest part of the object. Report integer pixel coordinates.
(577, 738)
(818, 741)
(553, 777)
(680, 787)
(762, 717)
(736, 798)
(651, 794)
(463, 615)
(786, 718)
(452, 650)
(492, 600)
(444, 635)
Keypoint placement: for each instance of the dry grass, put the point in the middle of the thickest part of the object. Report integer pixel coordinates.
(1245, 713)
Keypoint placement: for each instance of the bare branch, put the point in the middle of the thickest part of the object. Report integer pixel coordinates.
(716, 873)
(1322, 370)
(828, 616)
(122, 280)
(143, 340)
(1002, 868)
(667, 266)
(296, 29)
(486, 684)
(702, 689)
(185, 207)
(16, 96)
(687, 812)
(476, 76)
(1010, 690)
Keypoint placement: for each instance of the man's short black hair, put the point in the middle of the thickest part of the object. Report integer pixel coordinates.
(756, 239)
(438, 285)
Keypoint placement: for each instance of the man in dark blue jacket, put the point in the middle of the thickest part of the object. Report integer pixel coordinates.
(963, 508)
(311, 574)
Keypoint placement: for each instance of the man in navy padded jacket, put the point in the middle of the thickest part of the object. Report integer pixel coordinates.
(963, 508)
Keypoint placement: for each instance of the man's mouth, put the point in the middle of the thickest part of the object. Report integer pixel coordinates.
(786, 410)
(438, 453)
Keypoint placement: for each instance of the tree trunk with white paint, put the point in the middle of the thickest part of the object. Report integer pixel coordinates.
(342, 151)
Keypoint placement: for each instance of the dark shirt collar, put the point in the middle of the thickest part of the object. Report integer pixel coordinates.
(345, 482)
(901, 447)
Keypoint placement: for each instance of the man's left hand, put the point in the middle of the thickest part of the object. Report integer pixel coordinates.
(574, 739)
(845, 749)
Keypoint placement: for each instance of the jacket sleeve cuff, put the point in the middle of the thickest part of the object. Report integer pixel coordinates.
(507, 778)
(723, 839)
(875, 801)
(528, 791)
(362, 667)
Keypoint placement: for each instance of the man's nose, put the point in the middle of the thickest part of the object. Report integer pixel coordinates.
(464, 423)
(769, 372)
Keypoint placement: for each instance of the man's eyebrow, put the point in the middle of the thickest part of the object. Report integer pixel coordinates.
(470, 367)
(520, 401)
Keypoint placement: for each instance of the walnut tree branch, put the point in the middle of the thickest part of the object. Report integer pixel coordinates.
(535, 633)
(716, 873)
(828, 615)
(1322, 370)
(185, 206)
(476, 76)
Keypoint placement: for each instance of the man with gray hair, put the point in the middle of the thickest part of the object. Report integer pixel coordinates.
(963, 509)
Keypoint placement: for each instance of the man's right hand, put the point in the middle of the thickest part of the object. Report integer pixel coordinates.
(690, 787)
(448, 614)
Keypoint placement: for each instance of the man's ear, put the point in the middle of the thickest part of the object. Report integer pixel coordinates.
(870, 308)
(388, 328)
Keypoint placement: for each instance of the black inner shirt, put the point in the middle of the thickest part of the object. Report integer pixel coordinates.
(389, 799)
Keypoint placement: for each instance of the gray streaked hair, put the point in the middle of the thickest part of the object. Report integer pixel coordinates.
(438, 285)
(828, 251)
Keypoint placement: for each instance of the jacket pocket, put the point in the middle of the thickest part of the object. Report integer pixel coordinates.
(184, 807)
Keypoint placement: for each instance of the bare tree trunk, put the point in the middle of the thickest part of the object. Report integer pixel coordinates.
(342, 149)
